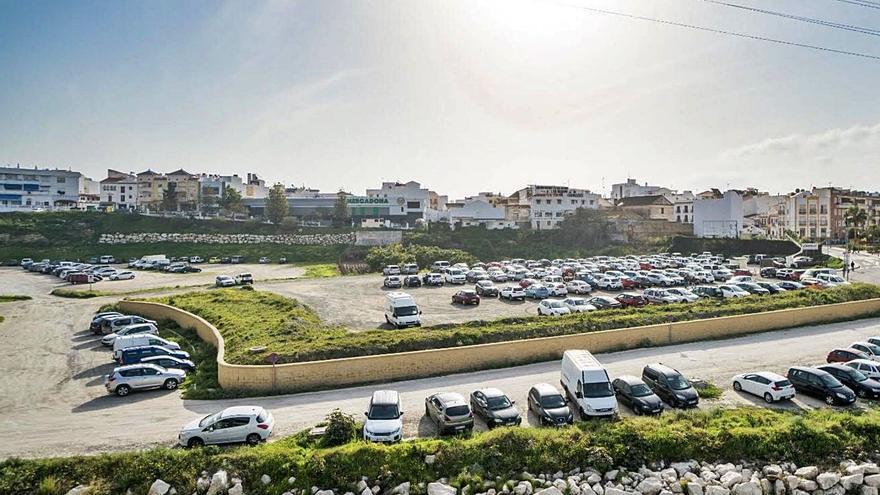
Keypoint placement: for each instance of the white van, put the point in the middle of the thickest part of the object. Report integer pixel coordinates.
(401, 310)
(124, 342)
(586, 383)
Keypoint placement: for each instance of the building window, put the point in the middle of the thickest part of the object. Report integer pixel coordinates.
(559, 201)
(662, 211)
(685, 219)
(413, 205)
(61, 180)
(678, 218)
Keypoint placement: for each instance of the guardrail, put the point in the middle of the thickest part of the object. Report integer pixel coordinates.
(315, 375)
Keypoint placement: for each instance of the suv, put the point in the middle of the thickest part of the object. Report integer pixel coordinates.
(512, 292)
(819, 383)
(383, 422)
(670, 385)
(485, 288)
(149, 328)
(244, 278)
(433, 279)
(122, 380)
(251, 424)
(450, 411)
(549, 405)
(495, 408)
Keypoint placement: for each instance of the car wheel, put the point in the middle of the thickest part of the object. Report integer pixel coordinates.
(829, 399)
(123, 390)
(768, 398)
(862, 393)
(253, 439)
(195, 442)
(170, 384)
(737, 386)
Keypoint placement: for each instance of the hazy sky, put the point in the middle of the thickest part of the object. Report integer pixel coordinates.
(461, 95)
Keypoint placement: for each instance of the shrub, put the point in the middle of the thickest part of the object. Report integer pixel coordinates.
(341, 429)
(397, 254)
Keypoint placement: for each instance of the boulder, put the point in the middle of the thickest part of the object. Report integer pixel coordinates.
(159, 487)
(807, 472)
(430, 459)
(614, 491)
(523, 488)
(361, 486)
(772, 472)
(731, 478)
(79, 490)
(265, 479)
(694, 488)
(854, 469)
(440, 489)
(835, 490)
(650, 486)
(681, 467)
(779, 487)
(611, 475)
(851, 481)
(723, 469)
(747, 488)
(550, 491)
(792, 482)
(593, 478)
(401, 489)
(870, 468)
(827, 480)
(236, 489)
(717, 490)
(219, 483)
(808, 485)
(872, 480)
(868, 490)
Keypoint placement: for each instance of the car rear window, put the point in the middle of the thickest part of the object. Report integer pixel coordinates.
(783, 383)
(262, 416)
(457, 410)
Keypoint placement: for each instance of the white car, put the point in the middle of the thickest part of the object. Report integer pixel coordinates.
(770, 386)
(869, 368)
(578, 287)
(391, 270)
(722, 274)
(557, 289)
(549, 307)
(455, 276)
(122, 276)
(512, 292)
(741, 279)
(224, 281)
(685, 294)
(383, 422)
(872, 350)
(609, 282)
(832, 280)
(578, 305)
(732, 291)
(251, 424)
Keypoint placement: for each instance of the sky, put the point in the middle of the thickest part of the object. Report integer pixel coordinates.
(461, 95)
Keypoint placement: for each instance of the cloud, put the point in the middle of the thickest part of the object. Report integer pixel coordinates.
(809, 144)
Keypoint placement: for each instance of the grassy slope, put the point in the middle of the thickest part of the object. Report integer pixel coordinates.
(13, 297)
(819, 436)
(293, 330)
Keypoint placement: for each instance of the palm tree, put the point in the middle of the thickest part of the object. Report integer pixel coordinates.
(854, 218)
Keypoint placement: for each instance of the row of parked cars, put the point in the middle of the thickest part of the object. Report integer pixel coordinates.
(145, 359)
(76, 273)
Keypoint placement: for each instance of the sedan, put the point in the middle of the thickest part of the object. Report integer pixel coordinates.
(770, 386)
(224, 281)
(752, 288)
(537, 291)
(249, 424)
(578, 305)
(628, 299)
(684, 295)
(774, 288)
(578, 287)
(122, 276)
(604, 302)
(789, 285)
(552, 308)
(495, 408)
(467, 296)
(633, 392)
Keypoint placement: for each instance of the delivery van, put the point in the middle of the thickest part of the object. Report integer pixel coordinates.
(401, 310)
(138, 340)
(586, 383)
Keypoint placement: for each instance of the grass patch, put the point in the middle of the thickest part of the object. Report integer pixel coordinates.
(87, 294)
(13, 297)
(709, 391)
(760, 435)
(79, 294)
(202, 383)
(321, 270)
(293, 330)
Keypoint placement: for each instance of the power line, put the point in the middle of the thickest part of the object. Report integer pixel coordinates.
(861, 3)
(821, 22)
(730, 33)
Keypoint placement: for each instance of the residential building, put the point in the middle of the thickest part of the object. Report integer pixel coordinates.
(26, 189)
(477, 212)
(657, 207)
(150, 192)
(683, 206)
(397, 204)
(631, 188)
(255, 187)
(808, 214)
(722, 217)
(119, 191)
(549, 205)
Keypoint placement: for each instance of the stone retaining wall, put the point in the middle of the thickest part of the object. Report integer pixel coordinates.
(283, 239)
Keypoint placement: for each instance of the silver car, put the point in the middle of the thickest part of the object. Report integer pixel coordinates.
(149, 328)
(251, 424)
(122, 380)
(450, 411)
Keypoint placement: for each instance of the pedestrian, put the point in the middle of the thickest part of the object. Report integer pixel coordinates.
(852, 266)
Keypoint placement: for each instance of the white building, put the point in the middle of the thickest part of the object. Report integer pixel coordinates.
(631, 189)
(119, 191)
(719, 217)
(399, 204)
(477, 212)
(33, 189)
(682, 206)
(549, 205)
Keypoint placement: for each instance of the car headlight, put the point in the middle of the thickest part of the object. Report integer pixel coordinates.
(840, 395)
(680, 397)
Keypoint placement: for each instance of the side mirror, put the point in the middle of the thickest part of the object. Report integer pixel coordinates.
(420, 311)
(366, 413)
(579, 395)
(513, 403)
(401, 414)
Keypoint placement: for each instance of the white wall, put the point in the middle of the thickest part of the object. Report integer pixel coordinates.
(719, 217)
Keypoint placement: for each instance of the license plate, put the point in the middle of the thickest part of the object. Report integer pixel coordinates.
(459, 427)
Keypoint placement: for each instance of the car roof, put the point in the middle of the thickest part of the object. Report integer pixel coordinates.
(545, 389)
(663, 369)
(133, 366)
(450, 398)
(630, 380)
(492, 392)
(156, 358)
(863, 361)
(807, 369)
(768, 375)
(835, 366)
(385, 397)
(241, 411)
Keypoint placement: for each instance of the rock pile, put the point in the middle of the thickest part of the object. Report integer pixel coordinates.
(283, 239)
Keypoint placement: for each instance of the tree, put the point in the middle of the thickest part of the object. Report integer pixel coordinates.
(169, 199)
(231, 201)
(276, 204)
(854, 218)
(585, 228)
(341, 215)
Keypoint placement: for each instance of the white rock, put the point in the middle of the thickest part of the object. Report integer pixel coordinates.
(265, 479)
(747, 488)
(694, 488)
(587, 490)
(723, 469)
(361, 486)
(611, 475)
(550, 491)
(598, 489)
(779, 487)
(868, 490)
(236, 489)
(440, 489)
(807, 472)
(808, 485)
(872, 480)
(324, 492)
(731, 478)
(291, 480)
(870, 468)
(772, 471)
(855, 469)
(799, 492)
(650, 486)
(765, 484)
(430, 459)
(717, 490)
(366, 491)
(79, 490)
(158, 487)
(669, 474)
(851, 481)
(827, 480)
(614, 491)
(593, 478)
(219, 483)
(681, 467)
(523, 488)
(403, 489)
(792, 482)
(835, 490)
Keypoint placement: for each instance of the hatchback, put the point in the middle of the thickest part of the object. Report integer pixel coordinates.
(633, 392)
(468, 296)
(450, 412)
(537, 291)
(122, 380)
(864, 387)
(845, 355)
(628, 299)
(495, 408)
(549, 405)
(604, 302)
(818, 383)
(552, 308)
(770, 386)
(250, 424)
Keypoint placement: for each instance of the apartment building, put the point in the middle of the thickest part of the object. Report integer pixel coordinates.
(682, 205)
(720, 217)
(809, 213)
(631, 188)
(33, 189)
(119, 191)
(549, 205)
(394, 204)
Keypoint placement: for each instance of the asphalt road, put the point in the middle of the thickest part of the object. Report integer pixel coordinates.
(52, 401)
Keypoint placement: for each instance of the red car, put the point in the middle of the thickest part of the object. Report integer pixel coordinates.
(644, 265)
(742, 271)
(628, 299)
(796, 275)
(629, 283)
(846, 355)
(467, 296)
(526, 282)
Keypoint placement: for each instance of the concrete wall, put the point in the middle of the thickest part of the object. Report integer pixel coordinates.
(380, 238)
(389, 367)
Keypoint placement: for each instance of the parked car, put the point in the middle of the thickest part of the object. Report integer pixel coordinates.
(126, 275)
(842, 355)
(549, 405)
(752, 288)
(732, 291)
(393, 282)
(769, 272)
(790, 285)
(237, 424)
(818, 383)
(409, 269)
(708, 291)
(670, 385)
(586, 383)
(604, 302)
(224, 281)
(634, 393)
(772, 287)
(383, 422)
(609, 282)
(433, 279)
(450, 412)
(537, 291)
(578, 287)
(455, 276)
(401, 310)
(99, 318)
(512, 292)
(548, 307)
(114, 324)
(684, 295)
(485, 288)
(264, 260)
(872, 350)
(855, 380)
(122, 380)
(244, 279)
(660, 296)
(466, 296)
(391, 270)
(495, 408)
(871, 369)
(133, 355)
(170, 362)
(412, 281)
(630, 299)
(578, 305)
(557, 289)
(137, 328)
(770, 386)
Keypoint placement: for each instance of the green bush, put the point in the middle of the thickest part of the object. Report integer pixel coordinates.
(397, 254)
(341, 429)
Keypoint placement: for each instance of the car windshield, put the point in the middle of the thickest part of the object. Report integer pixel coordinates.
(830, 381)
(406, 311)
(556, 304)
(597, 389)
(210, 419)
(577, 302)
(678, 382)
(855, 374)
(640, 390)
(383, 411)
(496, 403)
(552, 401)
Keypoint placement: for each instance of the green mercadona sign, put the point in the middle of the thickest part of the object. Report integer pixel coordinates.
(366, 201)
